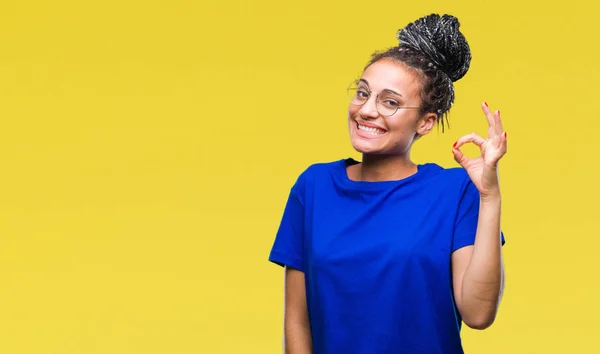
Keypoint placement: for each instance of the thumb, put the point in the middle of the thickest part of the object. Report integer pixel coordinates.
(459, 156)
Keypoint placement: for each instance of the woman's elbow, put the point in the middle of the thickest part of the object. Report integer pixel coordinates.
(480, 322)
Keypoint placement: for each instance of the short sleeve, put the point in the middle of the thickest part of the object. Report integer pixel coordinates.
(467, 217)
(288, 246)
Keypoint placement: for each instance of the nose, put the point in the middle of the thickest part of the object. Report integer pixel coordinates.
(369, 109)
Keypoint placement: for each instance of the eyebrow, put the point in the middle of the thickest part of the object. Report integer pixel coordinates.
(392, 91)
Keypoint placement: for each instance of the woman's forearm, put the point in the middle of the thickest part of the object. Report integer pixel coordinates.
(297, 336)
(483, 281)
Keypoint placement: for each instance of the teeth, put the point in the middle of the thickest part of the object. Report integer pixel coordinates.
(373, 131)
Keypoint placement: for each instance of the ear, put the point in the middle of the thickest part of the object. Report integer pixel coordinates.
(426, 123)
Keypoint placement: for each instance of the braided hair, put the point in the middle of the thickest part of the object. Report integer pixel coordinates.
(434, 47)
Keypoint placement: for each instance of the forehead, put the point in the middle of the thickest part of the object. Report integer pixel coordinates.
(392, 75)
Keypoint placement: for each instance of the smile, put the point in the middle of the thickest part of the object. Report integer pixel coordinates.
(370, 130)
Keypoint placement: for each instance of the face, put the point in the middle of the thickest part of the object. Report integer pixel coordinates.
(394, 86)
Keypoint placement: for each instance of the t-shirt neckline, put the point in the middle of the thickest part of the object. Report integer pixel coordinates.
(343, 174)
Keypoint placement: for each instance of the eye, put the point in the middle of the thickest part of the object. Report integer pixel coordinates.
(390, 103)
(362, 93)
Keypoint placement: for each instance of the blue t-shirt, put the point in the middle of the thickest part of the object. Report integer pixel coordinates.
(377, 257)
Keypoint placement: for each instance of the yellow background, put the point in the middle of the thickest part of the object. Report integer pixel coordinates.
(147, 149)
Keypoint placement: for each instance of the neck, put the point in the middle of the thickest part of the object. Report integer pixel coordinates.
(376, 168)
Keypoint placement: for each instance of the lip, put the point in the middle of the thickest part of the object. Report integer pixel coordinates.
(370, 125)
(366, 135)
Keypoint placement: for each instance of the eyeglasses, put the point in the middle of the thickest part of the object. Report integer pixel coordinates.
(386, 101)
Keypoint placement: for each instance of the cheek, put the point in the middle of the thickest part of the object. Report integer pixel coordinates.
(402, 129)
(352, 111)
(403, 123)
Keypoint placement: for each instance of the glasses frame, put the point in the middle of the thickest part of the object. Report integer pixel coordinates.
(376, 100)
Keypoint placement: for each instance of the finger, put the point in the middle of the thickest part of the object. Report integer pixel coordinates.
(471, 138)
(488, 115)
(495, 155)
(498, 123)
(459, 157)
(499, 138)
(501, 146)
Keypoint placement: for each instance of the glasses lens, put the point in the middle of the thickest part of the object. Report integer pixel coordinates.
(357, 94)
(387, 105)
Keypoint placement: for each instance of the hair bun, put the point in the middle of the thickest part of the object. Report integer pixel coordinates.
(439, 39)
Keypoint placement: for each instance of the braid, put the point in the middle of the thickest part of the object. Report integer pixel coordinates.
(434, 48)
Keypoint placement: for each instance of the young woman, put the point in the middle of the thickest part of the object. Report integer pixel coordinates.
(385, 255)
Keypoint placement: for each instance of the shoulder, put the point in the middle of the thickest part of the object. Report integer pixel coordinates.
(460, 182)
(325, 167)
(453, 190)
(453, 182)
(446, 175)
(317, 171)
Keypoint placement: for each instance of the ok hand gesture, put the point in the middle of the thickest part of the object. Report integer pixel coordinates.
(483, 170)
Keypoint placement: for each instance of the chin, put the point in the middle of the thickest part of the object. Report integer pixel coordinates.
(364, 147)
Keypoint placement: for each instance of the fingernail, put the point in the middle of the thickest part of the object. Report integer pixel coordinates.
(485, 103)
(498, 112)
(504, 135)
(455, 144)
